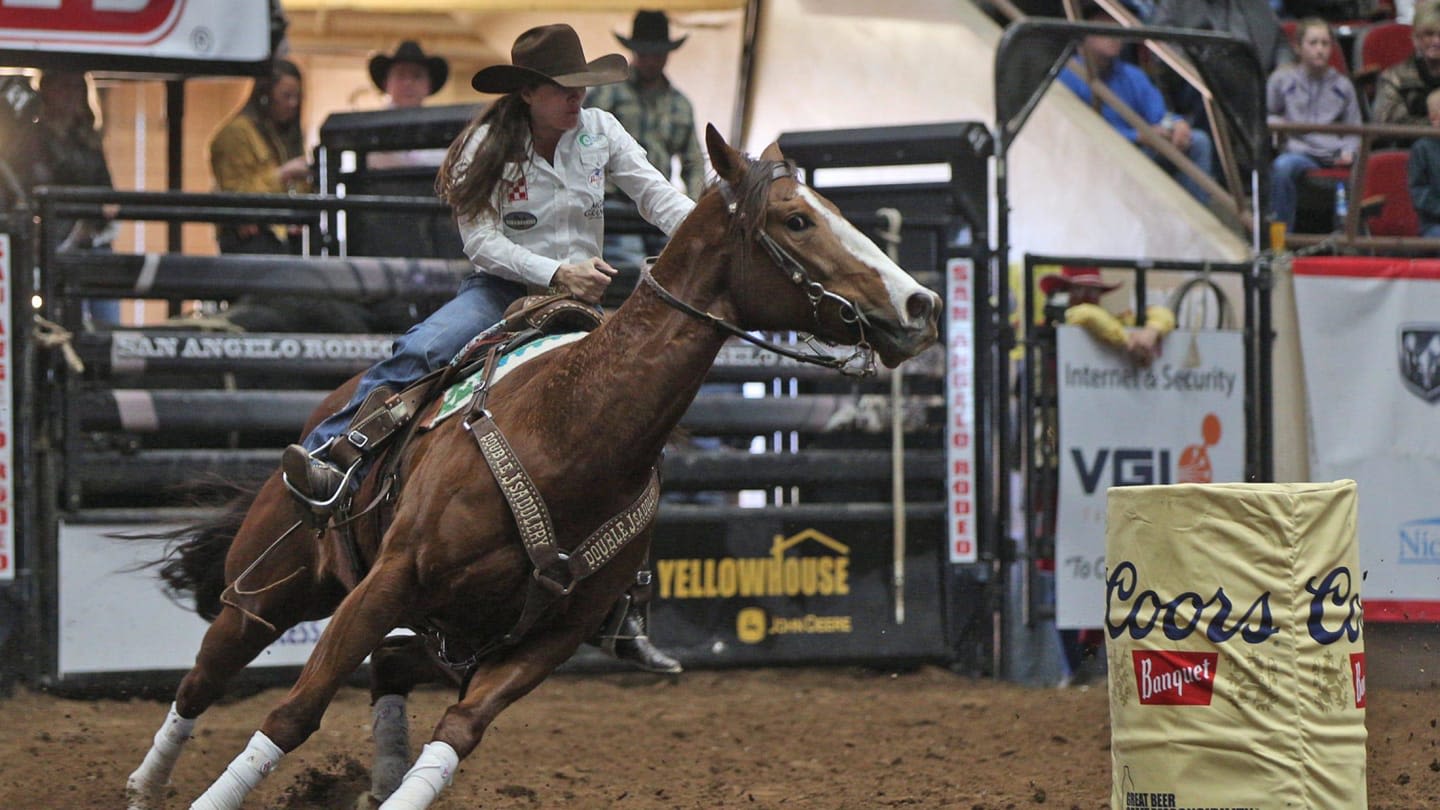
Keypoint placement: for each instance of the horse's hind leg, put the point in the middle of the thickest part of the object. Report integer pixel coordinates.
(397, 666)
(231, 642)
(493, 687)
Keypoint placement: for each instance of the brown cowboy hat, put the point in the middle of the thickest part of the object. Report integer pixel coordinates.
(1075, 277)
(550, 53)
(650, 33)
(409, 51)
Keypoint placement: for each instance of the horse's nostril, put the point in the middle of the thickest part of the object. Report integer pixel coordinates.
(920, 306)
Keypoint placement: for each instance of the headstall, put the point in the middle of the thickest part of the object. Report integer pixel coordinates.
(859, 363)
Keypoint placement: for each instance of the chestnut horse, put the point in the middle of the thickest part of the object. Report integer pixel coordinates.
(588, 421)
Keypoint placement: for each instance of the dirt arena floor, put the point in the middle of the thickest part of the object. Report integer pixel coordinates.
(791, 738)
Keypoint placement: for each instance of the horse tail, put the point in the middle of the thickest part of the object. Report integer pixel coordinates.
(194, 562)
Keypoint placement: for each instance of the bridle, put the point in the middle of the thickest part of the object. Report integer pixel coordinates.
(859, 363)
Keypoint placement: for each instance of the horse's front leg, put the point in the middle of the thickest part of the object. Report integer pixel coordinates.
(358, 626)
(494, 686)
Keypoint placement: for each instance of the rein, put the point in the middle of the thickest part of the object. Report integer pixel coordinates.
(859, 363)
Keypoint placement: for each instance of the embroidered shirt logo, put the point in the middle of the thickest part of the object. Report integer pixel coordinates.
(519, 191)
(520, 220)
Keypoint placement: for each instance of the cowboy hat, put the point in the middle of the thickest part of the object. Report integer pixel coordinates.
(650, 33)
(550, 53)
(1075, 277)
(409, 51)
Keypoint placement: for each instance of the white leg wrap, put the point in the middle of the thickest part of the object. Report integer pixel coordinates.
(142, 789)
(430, 775)
(241, 777)
(391, 729)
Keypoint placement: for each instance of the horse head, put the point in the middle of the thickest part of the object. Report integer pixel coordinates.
(822, 275)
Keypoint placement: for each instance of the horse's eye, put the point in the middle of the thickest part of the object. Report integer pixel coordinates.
(798, 222)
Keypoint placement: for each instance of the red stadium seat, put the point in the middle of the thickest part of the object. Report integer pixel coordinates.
(1385, 176)
(1382, 45)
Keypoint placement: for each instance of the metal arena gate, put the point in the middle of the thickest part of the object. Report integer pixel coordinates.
(778, 535)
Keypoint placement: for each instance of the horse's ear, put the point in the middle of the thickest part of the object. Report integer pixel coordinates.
(729, 164)
(772, 152)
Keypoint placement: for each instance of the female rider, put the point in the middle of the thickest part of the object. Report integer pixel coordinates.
(526, 181)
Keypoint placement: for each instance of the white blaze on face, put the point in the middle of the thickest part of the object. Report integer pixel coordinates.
(898, 283)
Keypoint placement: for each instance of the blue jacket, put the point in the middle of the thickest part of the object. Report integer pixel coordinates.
(1130, 84)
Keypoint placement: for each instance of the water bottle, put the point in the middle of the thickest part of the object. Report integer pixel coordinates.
(1342, 206)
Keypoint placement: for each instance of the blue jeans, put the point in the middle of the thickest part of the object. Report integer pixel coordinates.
(430, 344)
(1285, 174)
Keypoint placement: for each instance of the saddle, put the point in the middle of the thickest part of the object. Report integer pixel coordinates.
(387, 421)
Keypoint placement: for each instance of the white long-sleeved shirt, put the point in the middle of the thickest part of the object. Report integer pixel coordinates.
(555, 214)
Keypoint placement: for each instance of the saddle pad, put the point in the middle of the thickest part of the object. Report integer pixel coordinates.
(457, 397)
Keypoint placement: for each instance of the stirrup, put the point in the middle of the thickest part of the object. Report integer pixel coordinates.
(323, 507)
(624, 638)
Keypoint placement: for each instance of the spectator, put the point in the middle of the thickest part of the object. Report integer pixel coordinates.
(1402, 90)
(650, 107)
(1309, 92)
(260, 150)
(1076, 292)
(407, 77)
(63, 147)
(1130, 84)
(1424, 174)
(661, 119)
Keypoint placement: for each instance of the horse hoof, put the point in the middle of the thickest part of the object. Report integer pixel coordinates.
(367, 801)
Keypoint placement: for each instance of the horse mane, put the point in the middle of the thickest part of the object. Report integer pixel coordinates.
(751, 198)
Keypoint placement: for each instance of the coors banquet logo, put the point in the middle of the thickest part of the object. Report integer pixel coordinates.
(125, 18)
(1420, 359)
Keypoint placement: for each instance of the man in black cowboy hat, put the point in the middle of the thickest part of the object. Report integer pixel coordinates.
(648, 105)
(409, 75)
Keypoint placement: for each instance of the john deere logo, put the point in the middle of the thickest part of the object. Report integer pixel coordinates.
(1420, 359)
(750, 625)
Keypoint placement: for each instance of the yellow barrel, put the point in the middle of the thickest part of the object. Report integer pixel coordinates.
(1234, 635)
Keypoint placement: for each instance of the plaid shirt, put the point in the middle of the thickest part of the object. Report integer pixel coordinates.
(662, 120)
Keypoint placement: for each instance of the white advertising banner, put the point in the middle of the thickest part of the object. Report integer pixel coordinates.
(1370, 340)
(7, 421)
(1181, 420)
(114, 618)
(202, 30)
(960, 400)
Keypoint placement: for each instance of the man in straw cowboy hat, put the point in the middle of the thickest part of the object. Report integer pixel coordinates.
(526, 181)
(650, 107)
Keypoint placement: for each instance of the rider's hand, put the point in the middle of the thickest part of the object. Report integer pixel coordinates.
(586, 280)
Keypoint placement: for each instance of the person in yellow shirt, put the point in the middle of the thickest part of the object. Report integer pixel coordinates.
(1077, 291)
(261, 150)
